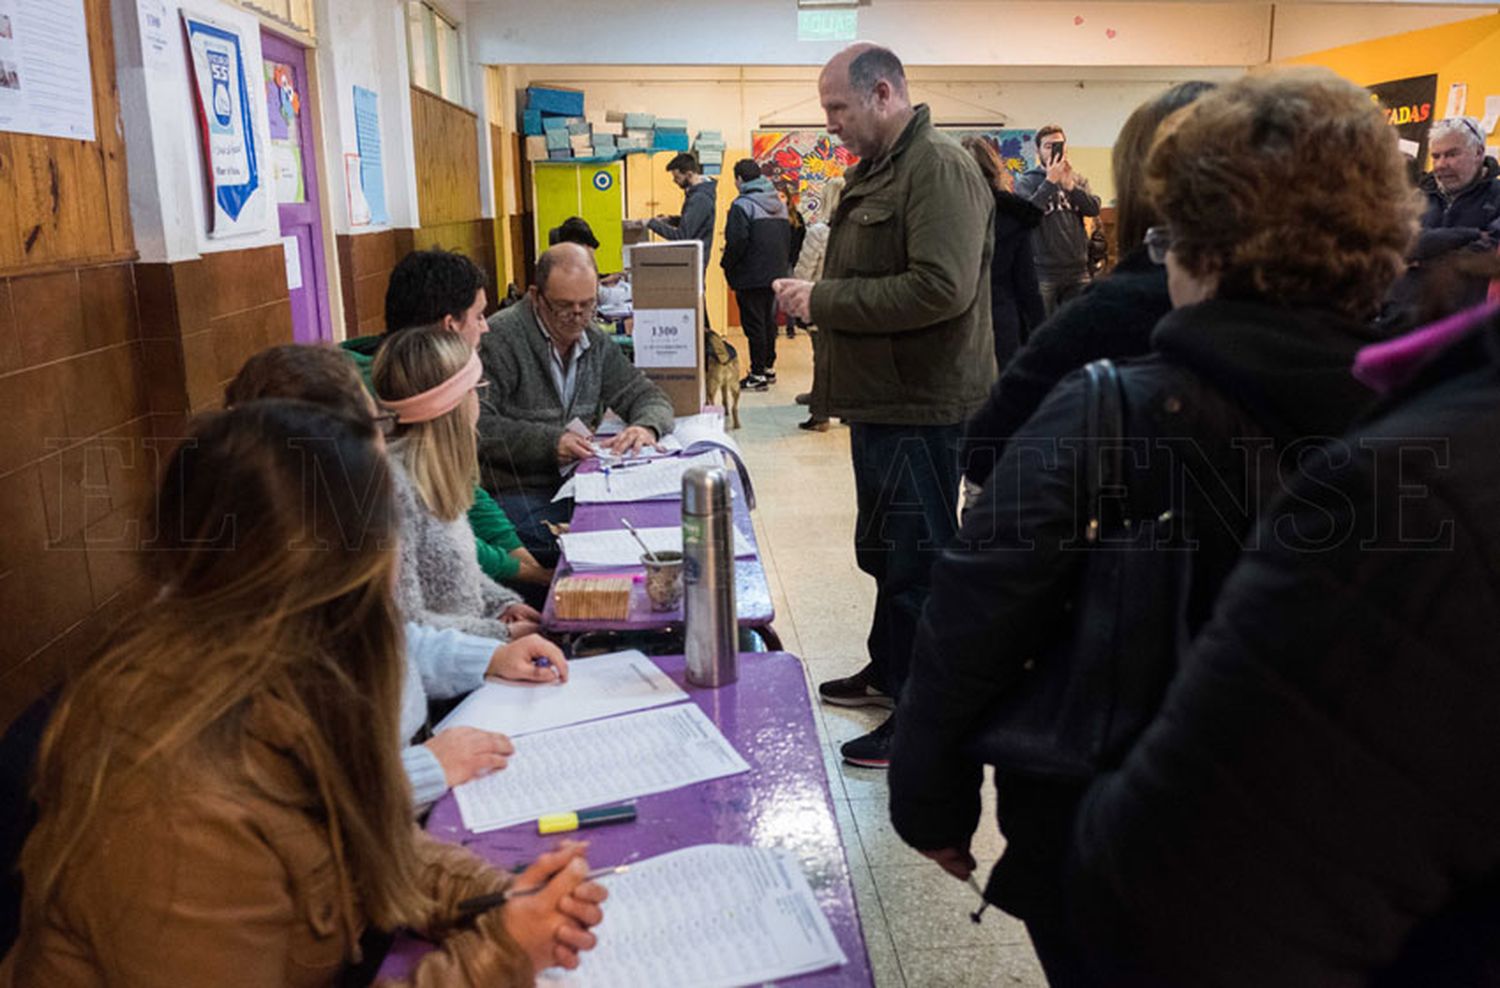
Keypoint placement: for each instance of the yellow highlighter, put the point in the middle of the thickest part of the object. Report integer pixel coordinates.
(561, 823)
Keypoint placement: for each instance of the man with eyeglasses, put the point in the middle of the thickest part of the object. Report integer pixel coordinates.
(550, 365)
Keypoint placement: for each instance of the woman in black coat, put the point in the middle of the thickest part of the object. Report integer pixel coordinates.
(1113, 317)
(1015, 299)
(1318, 803)
(1279, 250)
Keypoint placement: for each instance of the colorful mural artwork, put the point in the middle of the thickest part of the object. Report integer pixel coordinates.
(802, 161)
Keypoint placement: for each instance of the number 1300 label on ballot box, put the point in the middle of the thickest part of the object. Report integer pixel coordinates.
(666, 338)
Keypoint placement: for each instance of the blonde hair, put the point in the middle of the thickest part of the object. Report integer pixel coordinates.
(276, 525)
(442, 455)
(833, 194)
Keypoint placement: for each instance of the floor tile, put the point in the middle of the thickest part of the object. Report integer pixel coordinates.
(927, 908)
(1008, 966)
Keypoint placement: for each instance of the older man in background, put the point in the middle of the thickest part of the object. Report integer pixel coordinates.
(904, 305)
(548, 366)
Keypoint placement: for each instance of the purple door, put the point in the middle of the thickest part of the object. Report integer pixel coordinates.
(295, 178)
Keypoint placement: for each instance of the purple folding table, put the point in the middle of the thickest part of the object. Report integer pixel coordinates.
(752, 592)
(782, 802)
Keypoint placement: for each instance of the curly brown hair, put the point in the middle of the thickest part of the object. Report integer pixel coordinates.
(1288, 185)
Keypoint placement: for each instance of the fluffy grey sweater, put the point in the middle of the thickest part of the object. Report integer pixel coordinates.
(440, 583)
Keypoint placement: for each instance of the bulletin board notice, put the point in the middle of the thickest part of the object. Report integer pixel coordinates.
(46, 85)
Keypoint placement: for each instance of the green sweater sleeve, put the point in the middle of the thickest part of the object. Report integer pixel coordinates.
(495, 537)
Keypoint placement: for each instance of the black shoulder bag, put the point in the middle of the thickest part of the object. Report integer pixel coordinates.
(1081, 703)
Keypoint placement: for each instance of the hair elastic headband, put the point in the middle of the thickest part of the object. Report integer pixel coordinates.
(439, 401)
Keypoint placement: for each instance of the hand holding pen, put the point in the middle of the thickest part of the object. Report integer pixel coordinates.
(550, 907)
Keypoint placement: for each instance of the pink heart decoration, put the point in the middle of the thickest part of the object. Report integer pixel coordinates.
(1109, 33)
(1077, 21)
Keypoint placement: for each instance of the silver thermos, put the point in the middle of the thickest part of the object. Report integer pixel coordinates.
(708, 578)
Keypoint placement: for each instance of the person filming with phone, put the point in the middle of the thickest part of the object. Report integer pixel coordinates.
(1062, 241)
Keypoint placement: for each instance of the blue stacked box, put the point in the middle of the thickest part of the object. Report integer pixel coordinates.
(640, 121)
(672, 123)
(531, 123)
(557, 140)
(554, 125)
(556, 154)
(672, 140)
(559, 102)
(713, 169)
(604, 140)
(578, 126)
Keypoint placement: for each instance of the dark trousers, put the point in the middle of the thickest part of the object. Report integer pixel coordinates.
(1062, 960)
(906, 490)
(530, 511)
(758, 317)
(1055, 293)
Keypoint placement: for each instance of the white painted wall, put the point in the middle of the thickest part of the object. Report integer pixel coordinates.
(363, 43)
(168, 195)
(923, 32)
(1091, 104)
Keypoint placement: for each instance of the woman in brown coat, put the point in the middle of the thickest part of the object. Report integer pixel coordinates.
(221, 801)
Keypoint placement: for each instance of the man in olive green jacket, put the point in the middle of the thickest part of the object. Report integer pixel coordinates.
(904, 307)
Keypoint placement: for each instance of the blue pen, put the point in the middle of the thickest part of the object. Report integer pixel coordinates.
(606, 478)
(542, 662)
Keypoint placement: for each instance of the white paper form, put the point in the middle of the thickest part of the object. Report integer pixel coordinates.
(1491, 115)
(658, 480)
(615, 549)
(604, 761)
(712, 916)
(602, 686)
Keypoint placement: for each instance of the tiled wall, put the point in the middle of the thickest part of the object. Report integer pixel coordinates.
(201, 319)
(99, 369)
(366, 260)
(75, 465)
(365, 263)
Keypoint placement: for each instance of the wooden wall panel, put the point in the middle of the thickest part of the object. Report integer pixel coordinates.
(446, 137)
(67, 202)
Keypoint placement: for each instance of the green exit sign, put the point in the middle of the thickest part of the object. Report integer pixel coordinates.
(827, 25)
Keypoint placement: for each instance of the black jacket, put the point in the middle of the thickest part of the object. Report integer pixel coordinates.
(697, 219)
(1113, 318)
(1015, 298)
(1232, 387)
(757, 237)
(1321, 791)
(1476, 207)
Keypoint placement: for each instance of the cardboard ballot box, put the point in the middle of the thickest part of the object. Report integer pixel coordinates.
(667, 287)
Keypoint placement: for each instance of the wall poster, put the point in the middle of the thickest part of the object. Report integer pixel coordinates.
(46, 82)
(216, 54)
(804, 159)
(1408, 105)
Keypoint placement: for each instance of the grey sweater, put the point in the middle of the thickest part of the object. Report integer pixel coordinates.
(1061, 243)
(523, 416)
(440, 583)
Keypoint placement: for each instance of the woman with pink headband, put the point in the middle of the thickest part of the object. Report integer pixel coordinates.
(429, 378)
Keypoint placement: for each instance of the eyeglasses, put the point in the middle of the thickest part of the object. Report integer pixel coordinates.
(1158, 241)
(574, 310)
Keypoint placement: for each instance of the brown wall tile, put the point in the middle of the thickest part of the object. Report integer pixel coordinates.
(31, 411)
(193, 288)
(245, 279)
(10, 343)
(156, 302)
(49, 316)
(374, 252)
(165, 380)
(109, 306)
(42, 596)
(25, 530)
(200, 369)
(112, 546)
(75, 489)
(104, 390)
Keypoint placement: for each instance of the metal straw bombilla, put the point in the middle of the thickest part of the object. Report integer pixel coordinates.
(708, 578)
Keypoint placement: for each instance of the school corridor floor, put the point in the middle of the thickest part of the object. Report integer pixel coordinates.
(916, 918)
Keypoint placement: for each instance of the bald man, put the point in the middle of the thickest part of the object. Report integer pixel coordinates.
(907, 352)
(547, 365)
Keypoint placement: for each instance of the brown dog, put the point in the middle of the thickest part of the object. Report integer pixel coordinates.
(721, 368)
